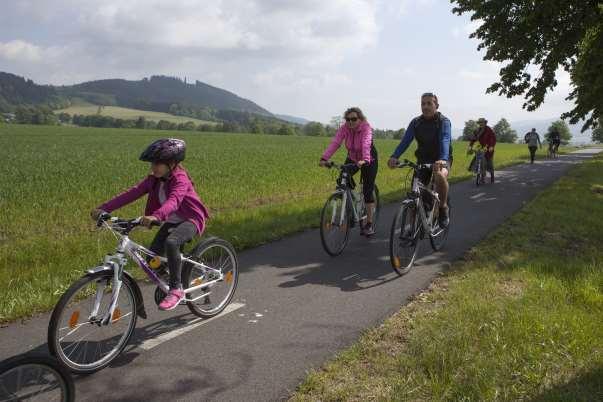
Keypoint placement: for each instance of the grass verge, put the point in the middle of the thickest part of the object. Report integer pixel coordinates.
(519, 319)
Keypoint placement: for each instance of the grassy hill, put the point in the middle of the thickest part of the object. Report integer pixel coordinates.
(130, 114)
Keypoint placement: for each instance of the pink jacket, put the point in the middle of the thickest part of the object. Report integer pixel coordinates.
(358, 142)
(180, 198)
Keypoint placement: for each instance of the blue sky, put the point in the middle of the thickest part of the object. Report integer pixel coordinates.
(309, 58)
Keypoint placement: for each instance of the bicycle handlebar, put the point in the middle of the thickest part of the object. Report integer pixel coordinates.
(341, 167)
(126, 224)
(415, 166)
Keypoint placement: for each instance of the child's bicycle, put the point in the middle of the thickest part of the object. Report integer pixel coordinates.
(94, 319)
(344, 209)
(35, 377)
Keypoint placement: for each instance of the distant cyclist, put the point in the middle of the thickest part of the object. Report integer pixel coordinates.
(432, 130)
(555, 140)
(533, 140)
(487, 139)
(358, 136)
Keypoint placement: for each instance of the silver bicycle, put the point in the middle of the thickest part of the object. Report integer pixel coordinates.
(344, 209)
(95, 318)
(416, 219)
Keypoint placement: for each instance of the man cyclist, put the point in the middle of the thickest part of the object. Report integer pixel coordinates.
(533, 140)
(487, 139)
(432, 130)
(554, 140)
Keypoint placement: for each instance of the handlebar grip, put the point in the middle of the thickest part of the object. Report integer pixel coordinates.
(155, 223)
(105, 216)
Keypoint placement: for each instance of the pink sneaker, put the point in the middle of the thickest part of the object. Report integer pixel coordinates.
(172, 299)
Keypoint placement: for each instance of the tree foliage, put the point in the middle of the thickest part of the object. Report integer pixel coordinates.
(504, 132)
(597, 134)
(548, 34)
(470, 128)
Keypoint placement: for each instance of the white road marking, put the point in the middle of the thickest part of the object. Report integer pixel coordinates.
(476, 196)
(350, 277)
(197, 322)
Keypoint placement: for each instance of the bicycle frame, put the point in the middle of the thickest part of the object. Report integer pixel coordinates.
(415, 196)
(343, 187)
(116, 262)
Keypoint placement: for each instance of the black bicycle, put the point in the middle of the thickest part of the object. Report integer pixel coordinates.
(35, 377)
(344, 210)
(416, 219)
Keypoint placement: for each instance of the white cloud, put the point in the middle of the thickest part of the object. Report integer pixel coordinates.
(20, 50)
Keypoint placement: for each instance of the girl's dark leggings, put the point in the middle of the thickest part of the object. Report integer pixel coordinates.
(170, 239)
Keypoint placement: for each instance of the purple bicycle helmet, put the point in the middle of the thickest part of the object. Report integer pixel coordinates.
(164, 150)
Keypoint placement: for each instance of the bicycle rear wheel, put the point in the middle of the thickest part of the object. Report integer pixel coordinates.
(77, 337)
(404, 238)
(334, 225)
(35, 377)
(209, 301)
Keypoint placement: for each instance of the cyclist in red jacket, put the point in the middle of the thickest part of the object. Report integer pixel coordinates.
(487, 139)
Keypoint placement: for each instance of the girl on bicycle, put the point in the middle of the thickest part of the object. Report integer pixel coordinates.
(358, 136)
(172, 199)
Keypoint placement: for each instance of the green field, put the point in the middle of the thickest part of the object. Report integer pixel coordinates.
(520, 319)
(258, 188)
(129, 114)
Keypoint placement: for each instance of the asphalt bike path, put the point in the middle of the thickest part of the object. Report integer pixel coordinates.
(294, 308)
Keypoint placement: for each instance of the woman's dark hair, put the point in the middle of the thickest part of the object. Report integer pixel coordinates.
(355, 110)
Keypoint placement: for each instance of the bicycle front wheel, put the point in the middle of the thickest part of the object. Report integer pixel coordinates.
(404, 238)
(35, 377)
(77, 334)
(438, 235)
(334, 225)
(210, 300)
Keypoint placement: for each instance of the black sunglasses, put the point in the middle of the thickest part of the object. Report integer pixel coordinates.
(349, 119)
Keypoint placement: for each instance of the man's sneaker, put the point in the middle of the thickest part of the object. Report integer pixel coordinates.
(369, 229)
(173, 298)
(443, 218)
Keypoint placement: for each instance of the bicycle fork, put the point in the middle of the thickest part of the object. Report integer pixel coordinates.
(116, 283)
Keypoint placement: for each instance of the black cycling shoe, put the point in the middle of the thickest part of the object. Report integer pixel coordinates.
(443, 219)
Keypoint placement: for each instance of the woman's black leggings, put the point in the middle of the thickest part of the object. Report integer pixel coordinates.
(170, 239)
(368, 173)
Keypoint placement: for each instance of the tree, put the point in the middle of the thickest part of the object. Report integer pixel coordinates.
(64, 117)
(562, 128)
(286, 129)
(314, 129)
(503, 131)
(141, 122)
(597, 134)
(399, 134)
(471, 127)
(550, 35)
(336, 122)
